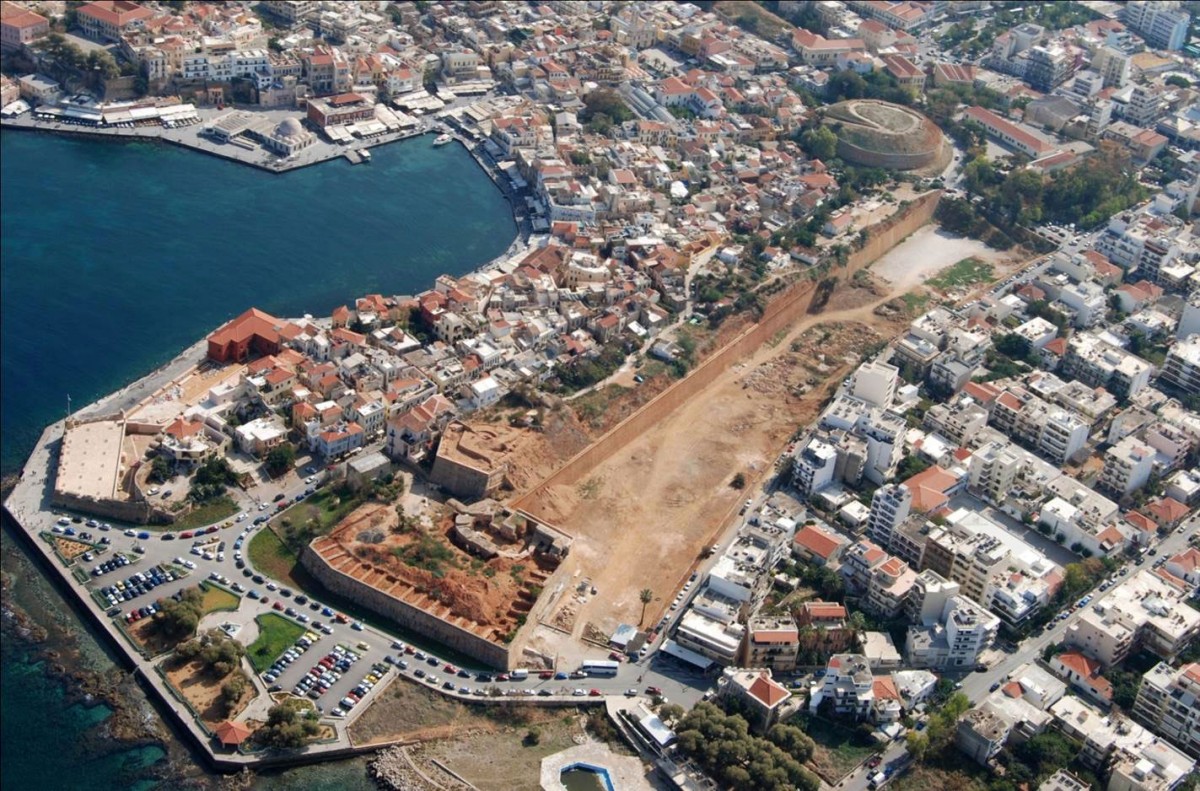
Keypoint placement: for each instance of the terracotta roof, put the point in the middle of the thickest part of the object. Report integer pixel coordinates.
(768, 692)
(822, 609)
(929, 488)
(1167, 510)
(981, 391)
(885, 688)
(775, 635)
(253, 322)
(184, 428)
(1141, 521)
(818, 542)
(992, 121)
(1189, 559)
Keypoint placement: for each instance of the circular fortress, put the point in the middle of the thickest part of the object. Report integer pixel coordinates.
(885, 135)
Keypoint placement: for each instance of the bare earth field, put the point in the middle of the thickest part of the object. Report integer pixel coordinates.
(930, 250)
(661, 500)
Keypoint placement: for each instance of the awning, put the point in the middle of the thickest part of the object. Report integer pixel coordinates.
(672, 648)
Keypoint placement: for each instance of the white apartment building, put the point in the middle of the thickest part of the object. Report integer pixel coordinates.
(993, 471)
(964, 631)
(1181, 369)
(1094, 362)
(875, 382)
(1162, 25)
(1142, 611)
(890, 506)
(813, 467)
(928, 598)
(1168, 703)
(848, 685)
(1127, 466)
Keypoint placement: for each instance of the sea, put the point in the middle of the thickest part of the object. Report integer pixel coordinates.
(114, 257)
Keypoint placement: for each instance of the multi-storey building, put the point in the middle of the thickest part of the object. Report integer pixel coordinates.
(1143, 611)
(1048, 67)
(848, 686)
(964, 632)
(813, 467)
(1168, 703)
(771, 642)
(875, 382)
(1127, 466)
(890, 506)
(1181, 370)
(20, 27)
(1163, 25)
(291, 11)
(1094, 362)
(107, 20)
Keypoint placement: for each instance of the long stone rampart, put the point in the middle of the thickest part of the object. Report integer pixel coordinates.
(409, 616)
(791, 305)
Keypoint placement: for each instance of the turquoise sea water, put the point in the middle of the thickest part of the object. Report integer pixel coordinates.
(115, 257)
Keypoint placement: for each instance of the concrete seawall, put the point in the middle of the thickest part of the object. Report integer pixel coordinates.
(791, 305)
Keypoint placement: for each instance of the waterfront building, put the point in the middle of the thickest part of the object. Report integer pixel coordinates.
(108, 20)
(345, 108)
(20, 27)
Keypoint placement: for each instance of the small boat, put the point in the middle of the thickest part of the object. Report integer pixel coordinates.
(442, 140)
(366, 155)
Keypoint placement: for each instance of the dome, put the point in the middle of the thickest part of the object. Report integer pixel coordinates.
(289, 127)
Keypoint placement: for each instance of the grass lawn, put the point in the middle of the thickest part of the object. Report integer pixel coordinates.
(271, 556)
(204, 515)
(591, 407)
(216, 599)
(275, 633)
(838, 748)
(966, 272)
(914, 301)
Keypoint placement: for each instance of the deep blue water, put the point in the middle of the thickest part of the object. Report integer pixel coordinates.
(117, 256)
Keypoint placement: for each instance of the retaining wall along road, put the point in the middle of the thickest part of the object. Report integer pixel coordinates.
(785, 309)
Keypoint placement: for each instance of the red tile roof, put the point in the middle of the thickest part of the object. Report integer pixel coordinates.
(929, 488)
(768, 692)
(818, 542)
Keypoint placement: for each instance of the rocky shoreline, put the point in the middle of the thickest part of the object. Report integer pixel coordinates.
(132, 723)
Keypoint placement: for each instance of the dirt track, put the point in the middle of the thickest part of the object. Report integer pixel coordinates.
(659, 501)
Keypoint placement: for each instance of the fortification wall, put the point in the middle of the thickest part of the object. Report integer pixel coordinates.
(893, 160)
(462, 480)
(411, 617)
(781, 312)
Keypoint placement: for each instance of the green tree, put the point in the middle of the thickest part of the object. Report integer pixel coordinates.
(819, 143)
(178, 618)
(160, 469)
(232, 691)
(739, 481)
(280, 459)
(917, 743)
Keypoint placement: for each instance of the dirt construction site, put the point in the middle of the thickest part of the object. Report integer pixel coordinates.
(647, 497)
(643, 518)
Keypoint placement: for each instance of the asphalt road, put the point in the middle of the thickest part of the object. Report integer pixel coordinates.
(677, 682)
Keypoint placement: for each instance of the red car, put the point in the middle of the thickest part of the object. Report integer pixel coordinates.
(408, 649)
(341, 618)
(653, 691)
(595, 693)
(546, 674)
(616, 656)
(186, 534)
(277, 606)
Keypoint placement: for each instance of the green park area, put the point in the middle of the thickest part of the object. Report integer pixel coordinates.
(966, 272)
(275, 634)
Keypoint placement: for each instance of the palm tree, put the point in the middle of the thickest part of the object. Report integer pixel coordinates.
(646, 597)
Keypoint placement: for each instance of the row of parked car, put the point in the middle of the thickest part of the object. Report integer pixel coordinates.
(136, 585)
(112, 564)
(306, 641)
(378, 671)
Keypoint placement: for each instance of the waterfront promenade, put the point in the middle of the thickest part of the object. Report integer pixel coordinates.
(191, 137)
